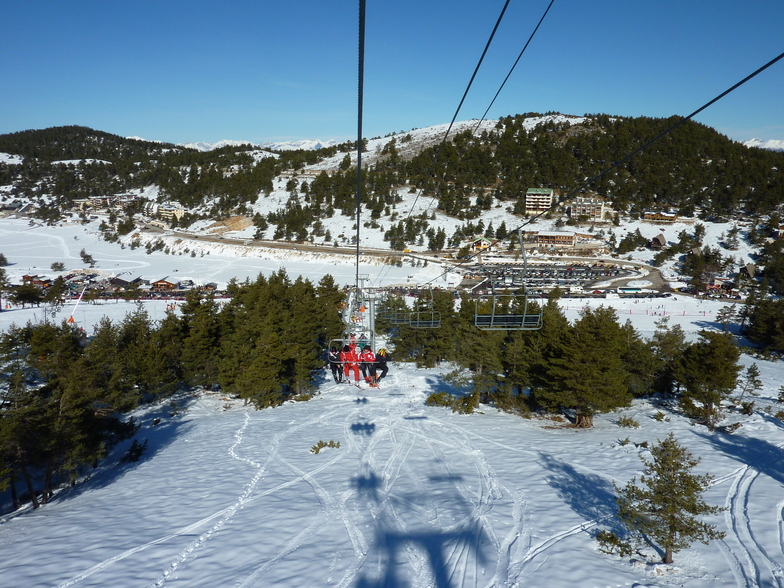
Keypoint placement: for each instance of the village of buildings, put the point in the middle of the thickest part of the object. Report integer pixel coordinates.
(585, 210)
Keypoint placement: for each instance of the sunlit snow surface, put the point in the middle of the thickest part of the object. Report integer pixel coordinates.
(415, 496)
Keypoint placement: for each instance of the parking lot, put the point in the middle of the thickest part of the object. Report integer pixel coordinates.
(549, 276)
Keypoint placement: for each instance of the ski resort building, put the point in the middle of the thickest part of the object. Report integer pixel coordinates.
(538, 200)
(592, 208)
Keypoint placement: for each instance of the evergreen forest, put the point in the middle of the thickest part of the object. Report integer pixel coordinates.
(67, 394)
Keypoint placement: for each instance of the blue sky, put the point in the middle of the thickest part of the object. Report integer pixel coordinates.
(204, 71)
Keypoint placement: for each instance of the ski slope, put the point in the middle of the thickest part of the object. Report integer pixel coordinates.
(414, 496)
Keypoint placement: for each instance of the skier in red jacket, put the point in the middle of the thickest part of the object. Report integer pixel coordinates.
(368, 365)
(350, 359)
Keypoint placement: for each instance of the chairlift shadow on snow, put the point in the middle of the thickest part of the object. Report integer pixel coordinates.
(392, 545)
(367, 485)
(366, 429)
(591, 496)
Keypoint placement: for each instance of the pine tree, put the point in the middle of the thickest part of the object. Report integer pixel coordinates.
(589, 374)
(708, 370)
(726, 315)
(668, 344)
(751, 383)
(665, 509)
(87, 258)
(201, 336)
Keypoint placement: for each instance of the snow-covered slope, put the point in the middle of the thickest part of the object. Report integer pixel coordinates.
(11, 159)
(414, 496)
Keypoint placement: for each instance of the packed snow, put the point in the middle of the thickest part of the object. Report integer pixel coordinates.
(417, 496)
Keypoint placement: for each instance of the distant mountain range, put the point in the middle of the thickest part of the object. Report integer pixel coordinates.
(306, 144)
(772, 144)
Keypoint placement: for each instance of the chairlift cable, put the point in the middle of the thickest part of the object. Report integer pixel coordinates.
(623, 160)
(501, 87)
(459, 106)
(514, 65)
(360, 96)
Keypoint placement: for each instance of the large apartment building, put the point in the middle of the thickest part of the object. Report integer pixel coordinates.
(538, 200)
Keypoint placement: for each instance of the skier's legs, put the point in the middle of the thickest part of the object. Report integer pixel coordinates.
(337, 370)
(384, 370)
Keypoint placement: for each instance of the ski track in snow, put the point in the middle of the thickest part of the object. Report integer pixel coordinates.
(228, 513)
(392, 510)
(508, 565)
(750, 564)
(780, 523)
(246, 495)
(224, 515)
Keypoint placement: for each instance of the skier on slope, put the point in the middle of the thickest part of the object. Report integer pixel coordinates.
(350, 359)
(335, 365)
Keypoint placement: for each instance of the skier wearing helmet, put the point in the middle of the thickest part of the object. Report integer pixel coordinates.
(381, 365)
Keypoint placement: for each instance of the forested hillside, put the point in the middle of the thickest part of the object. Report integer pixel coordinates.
(693, 168)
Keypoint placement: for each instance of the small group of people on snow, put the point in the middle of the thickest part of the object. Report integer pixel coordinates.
(354, 358)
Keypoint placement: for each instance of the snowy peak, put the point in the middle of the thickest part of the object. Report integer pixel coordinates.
(202, 146)
(305, 144)
(772, 144)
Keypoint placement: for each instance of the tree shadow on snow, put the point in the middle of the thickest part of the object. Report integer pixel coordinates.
(159, 428)
(392, 545)
(591, 496)
(731, 328)
(757, 453)
(438, 384)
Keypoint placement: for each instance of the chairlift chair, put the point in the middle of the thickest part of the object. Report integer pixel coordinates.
(429, 318)
(492, 313)
(424, 319)
(507, 311)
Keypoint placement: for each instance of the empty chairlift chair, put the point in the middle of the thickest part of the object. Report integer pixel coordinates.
(507, 312)
(425, 318)
(518, 311)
